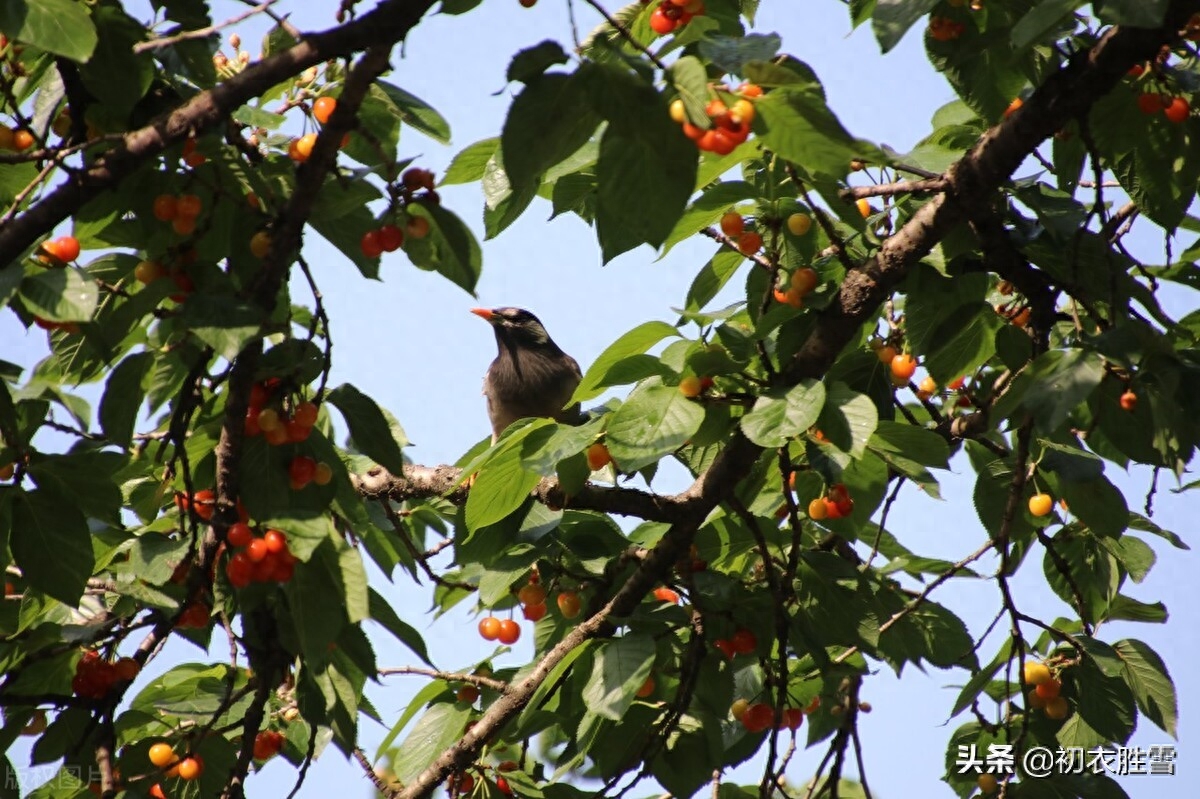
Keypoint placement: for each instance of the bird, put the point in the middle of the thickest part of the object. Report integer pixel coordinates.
(531, 375)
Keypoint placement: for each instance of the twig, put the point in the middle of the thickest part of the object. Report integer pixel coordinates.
(887, 506)
(483, 681)
(200, 33)
(900, 187)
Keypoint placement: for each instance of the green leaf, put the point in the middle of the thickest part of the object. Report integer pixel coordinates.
(1135, 13)
(531, 62)
(257, 117)
(893, 18)
(547, 122)
(618, 671)
(62, 27)
(690, 80)
(1060, 382)
(964, 341)
(502, 485)
(450, 249)
(377, 438)
(51, 543)
(60, 295)
(225, 324)
(647, 167)
(801, 129)
(1147, 677)
(778, 415)
(915, 443)
(383, 614)
(468, 166)
(339, 196)
(653, 421)
(1098, 503)
(636, 341)
(83, 480)
(113, 55)
(711, 278)
(123, 395)
(848, 419)
(707, 209)
(435, 732)
(1040, 21)
(416, 113)
(730, 53)
(316, 597)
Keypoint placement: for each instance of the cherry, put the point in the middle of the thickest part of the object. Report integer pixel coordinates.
(666, 595)
(301, 470)
(532, 594)
(1040, 504)
(260, 244)
(903, 366)
(188, 206)
(509, 631)
(535, 612)
(1149, 103)
(1013, 106)
(323, 108)
(370, 244)
(267, 744)
(690, 386)
(732, 224)
(467, 694)
(239, 535)
(190, 768)
(1128, 400)
(305, 414)
(417, 227)
(323, 475)
(758, 717)
(239, 570)
(660, 23)
(569, 604)
(276, 541)
(1178, 111)
(744, 641)
(863, 206)
(646, 689)
(161, 755)
(598, 456)
(816, 510)
(804, 279)
(146, 272)
(489, 628)
(1049, 689)
(749, 243)
(390, 238)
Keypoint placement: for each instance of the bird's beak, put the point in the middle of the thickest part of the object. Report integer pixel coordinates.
(484, 313)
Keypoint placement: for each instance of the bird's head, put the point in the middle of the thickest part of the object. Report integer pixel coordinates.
(515, 326)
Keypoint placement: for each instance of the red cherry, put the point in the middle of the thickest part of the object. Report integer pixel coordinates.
(509, 632)
(390, 238)
(301, 469)
(256, 550)
(276, 541)
(239, 570)
(371, 246)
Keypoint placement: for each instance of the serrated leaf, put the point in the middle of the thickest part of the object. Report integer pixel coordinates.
(707, 209)
(779, 416)
(60, 295)
(51, 543)
(548, 121)
(222, 323)
(371, 431)
(435, 732)
(469, 165)
(123, 395)
(416, 113)
(1151, 684)
(61, 27)
(618, 671)
(636, 341)
(653, 421)
(533, 61)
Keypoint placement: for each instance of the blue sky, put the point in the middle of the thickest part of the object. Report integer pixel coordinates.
(411, 344)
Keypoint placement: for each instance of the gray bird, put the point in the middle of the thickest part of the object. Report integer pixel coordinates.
(531, 376)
